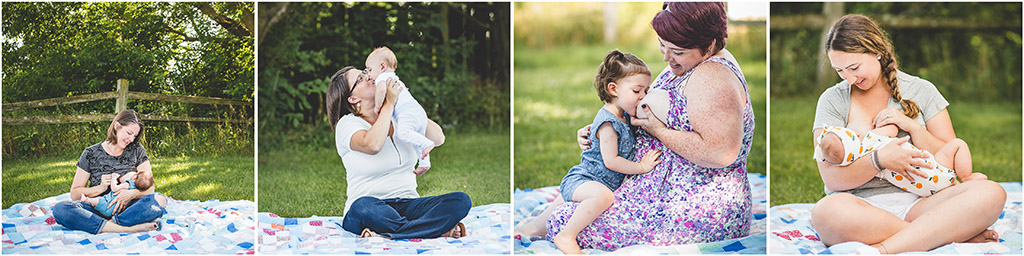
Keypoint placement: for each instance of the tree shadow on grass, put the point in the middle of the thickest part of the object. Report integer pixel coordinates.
(182, 178)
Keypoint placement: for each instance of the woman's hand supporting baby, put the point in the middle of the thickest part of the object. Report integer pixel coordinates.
(901, 160)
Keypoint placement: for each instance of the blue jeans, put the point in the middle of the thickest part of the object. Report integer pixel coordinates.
(82, 216)
(399, 218)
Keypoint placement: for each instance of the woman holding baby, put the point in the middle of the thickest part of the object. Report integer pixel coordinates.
(381, 192)
(860, 207)
(699, 192)
(121, 153)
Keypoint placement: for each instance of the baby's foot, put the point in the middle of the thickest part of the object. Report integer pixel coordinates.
(984, 237)
(144, 227)
(89, 200)
(421, 170)
(567, 243)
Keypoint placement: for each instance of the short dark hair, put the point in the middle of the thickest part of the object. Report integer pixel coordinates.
(693, 25)
(143, 183)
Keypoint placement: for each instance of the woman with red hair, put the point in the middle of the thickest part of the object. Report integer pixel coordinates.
(699, 193)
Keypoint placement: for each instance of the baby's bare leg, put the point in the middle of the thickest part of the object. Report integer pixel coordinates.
(955, 154)
(91, 200)
(594, 199)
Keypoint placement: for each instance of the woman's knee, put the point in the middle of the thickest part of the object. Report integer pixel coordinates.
(63, 209)
(458, 202)
(830, 212)
(363, 206)
(987, 191)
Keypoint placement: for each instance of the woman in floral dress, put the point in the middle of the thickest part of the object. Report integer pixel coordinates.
(699, 193)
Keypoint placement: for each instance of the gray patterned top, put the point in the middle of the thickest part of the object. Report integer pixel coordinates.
(97, 162)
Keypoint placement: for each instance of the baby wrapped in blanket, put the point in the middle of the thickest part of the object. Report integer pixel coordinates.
(841, 146)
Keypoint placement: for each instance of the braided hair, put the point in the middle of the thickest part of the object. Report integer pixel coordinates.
(855, 33)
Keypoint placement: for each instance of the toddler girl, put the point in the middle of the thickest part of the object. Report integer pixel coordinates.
(621, 83)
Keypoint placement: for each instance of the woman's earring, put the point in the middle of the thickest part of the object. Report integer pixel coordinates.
(357, 106)
(879, 57)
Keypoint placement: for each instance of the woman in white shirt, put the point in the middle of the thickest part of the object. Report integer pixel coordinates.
(381, 194)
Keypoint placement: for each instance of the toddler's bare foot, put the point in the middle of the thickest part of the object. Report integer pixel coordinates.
(984, 237)
(421, 170)
(567, 243)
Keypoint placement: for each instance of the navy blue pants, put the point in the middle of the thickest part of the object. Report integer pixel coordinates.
(82, 216)
(400, 218)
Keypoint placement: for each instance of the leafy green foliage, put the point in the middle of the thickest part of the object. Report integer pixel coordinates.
(61, 49)
(976, 64)
(440, 47)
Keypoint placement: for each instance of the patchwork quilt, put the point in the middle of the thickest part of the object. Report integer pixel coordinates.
(188, 227)
(487, 226)
(532, 202)
(792, 233)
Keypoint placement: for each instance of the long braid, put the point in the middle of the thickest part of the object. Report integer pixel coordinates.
(889, 68)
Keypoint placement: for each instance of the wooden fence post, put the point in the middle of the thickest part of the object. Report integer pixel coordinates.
(122, 96)
(825, 76)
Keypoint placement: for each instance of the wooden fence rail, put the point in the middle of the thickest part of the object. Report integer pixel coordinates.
(832, 11)
(121, 96)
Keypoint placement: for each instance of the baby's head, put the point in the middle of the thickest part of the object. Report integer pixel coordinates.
(837, 146)
(832, 148)
(622, 80)
(381, 60)
(143, 180)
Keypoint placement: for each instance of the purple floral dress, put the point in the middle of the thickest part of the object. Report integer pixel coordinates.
(678, 202)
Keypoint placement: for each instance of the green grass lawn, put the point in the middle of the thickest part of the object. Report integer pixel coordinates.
(554, 97)
(182, 178)
(993, 131)
(306, 182)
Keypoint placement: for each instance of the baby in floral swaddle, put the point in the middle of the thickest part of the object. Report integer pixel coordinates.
(841, 146)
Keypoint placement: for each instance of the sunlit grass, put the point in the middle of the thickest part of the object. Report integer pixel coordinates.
(183, 178)
(299, 182)
(554, 97)
(991, 129)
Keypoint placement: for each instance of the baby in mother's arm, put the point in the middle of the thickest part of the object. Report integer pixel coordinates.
(131, 180)
(841, 146)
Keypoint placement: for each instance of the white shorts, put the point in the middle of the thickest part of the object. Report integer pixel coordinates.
(896, 203)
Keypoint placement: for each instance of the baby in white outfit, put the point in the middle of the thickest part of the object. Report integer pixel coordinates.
(841, 146)
(410, 118)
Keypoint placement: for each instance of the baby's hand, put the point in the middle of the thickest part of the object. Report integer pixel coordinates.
(650, 160)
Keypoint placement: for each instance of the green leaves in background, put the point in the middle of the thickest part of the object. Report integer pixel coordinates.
(452, 56)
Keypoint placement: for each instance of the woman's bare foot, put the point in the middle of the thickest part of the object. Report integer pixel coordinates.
(368, 233)
(567, 243)
(144, 227)
(457, 232)
(527, 227)
(984, 237)
(112, 227)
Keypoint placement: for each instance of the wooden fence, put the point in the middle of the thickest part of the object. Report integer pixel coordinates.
(121, 96)
(831, 11)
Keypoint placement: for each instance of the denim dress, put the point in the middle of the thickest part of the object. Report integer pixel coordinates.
(591, 167)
